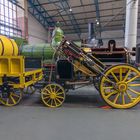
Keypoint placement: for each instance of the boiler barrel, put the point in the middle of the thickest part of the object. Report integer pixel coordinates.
(44, 51)
(8, 47)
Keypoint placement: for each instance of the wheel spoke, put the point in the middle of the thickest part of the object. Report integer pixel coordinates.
(108, 80)
(59, 93)
(7, 101)
(126, 76)
(48, 100)
(54, 88)
(58, 100)
(46, 97)
(13, 100)
(111, 93)
(132, 79)
(133, 85)
(47, 91)
(51, 102)
(46, 94)
(51, 90)
(123, 98)
(115, 77)
(120, 74)
(60, 97)
(18, 96)
(57, 90)
(116, 98)
(134, 91)
(129, 96)
(108, 87)
(55, 102)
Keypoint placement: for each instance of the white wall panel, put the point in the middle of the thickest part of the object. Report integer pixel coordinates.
(37, 34)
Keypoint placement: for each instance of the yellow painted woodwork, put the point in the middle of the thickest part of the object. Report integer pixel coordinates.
(13, 66)
(121, 90)
(8, 47)
(53, 95)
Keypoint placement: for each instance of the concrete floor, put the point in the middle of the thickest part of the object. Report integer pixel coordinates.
(80, 118)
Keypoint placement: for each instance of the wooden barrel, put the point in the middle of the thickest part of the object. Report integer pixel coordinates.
(8, 47)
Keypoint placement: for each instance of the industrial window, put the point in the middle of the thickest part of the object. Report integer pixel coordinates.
(8, 19)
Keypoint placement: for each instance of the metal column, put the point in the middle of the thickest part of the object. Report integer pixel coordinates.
(26, 18)
(131, 23)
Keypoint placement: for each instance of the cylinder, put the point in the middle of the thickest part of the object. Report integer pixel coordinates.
(44, 51)
(8, 47)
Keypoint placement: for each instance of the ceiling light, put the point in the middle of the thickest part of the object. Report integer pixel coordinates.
(70, 10)
(98, 23)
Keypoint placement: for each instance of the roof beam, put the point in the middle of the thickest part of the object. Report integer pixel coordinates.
(52, 2)
(102, 10)
(40, 14)
(65, 5)
(103, 21)
(107, 28)
(81, 24)
(86, 6)
(110, 27)
(85, 30)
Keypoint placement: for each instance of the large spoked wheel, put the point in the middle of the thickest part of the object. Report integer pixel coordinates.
(120, 86)
(29, 90)
(53, 95)
(12, 98)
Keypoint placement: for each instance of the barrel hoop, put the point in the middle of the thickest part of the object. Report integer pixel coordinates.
(12, 46)
(2, 46)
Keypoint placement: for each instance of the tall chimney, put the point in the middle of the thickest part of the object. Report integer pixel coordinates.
(91, 32)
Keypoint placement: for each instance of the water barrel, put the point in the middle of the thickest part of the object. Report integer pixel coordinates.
(44, 51)
(8, 47)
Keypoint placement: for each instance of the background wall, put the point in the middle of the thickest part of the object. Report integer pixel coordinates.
(118, 35)
(37, 34)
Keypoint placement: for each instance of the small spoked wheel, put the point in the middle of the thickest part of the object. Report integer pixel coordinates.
(12, 98)
(120, 86)
(53, 95)
(29, 90)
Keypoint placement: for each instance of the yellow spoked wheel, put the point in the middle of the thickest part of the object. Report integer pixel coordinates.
(29, 90)
(120, 86)
(12, 98)
(53, 95)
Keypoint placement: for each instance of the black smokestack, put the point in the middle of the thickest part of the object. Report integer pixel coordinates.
(91, 32)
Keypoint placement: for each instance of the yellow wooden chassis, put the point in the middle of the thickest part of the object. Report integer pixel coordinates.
(14, 67)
